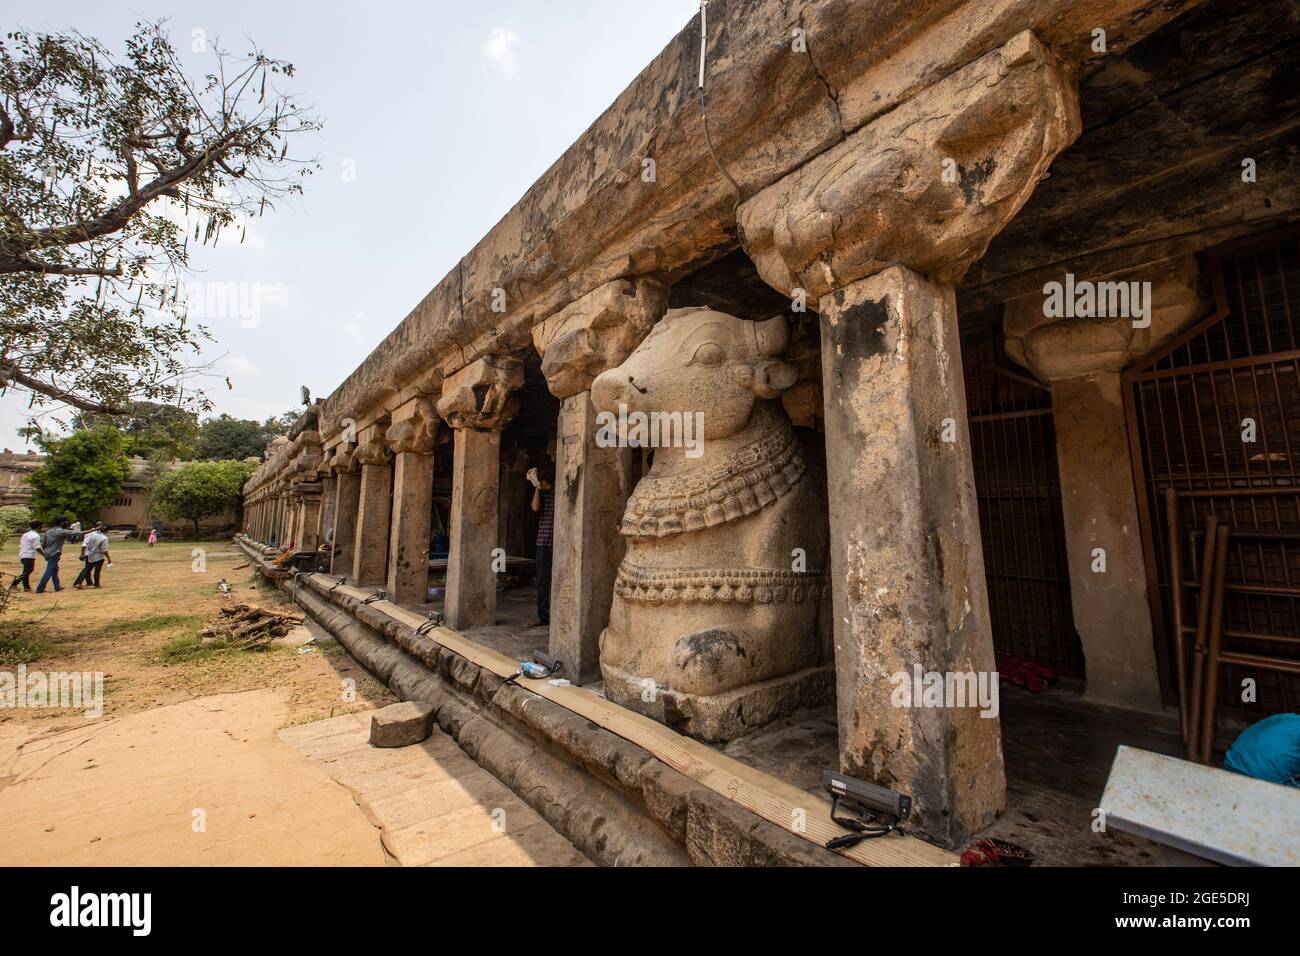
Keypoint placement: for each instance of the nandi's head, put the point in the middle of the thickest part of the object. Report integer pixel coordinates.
(699, 360)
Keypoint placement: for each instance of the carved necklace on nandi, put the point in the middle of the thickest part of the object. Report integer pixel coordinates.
(746, 481)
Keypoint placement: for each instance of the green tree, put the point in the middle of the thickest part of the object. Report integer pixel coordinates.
(225, 437)
(150, 430)
(199, 489)
(109, 166)
(14, 519)
(82, 473)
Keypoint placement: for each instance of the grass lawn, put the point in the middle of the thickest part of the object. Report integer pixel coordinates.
(141, 630)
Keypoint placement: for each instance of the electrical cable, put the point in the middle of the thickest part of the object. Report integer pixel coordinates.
(704, 115)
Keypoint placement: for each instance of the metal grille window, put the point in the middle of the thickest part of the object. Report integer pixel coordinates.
(1018, 487)
(1215, 415)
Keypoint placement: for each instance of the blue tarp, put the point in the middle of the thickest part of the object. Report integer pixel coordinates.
(1268, 750)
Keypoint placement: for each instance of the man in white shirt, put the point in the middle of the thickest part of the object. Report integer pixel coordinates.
(29, 546)
(95, 546)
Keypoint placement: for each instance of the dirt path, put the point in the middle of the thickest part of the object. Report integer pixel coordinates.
(187, 765)
(201, 782)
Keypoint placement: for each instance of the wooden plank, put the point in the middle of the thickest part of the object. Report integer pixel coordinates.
(769, 797)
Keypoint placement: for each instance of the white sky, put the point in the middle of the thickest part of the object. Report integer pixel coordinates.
(446, 112)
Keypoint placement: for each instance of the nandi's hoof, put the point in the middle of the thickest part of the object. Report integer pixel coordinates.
(713, 660)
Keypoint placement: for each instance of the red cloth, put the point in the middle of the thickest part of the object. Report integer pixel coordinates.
(1031, 675)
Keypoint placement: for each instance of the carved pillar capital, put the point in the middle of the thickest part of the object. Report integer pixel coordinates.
(341, 461)
(480, 395)
(926, 185)
(372, 452)
(415, 434)
(597, 332)
(1153, 303)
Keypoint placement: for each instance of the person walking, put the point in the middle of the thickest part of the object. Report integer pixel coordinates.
(95, 547)
(153, 536)
(544, 504)
(29, 546)
(52, 548)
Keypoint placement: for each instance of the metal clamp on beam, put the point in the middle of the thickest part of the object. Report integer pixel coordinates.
(877, 810)
(435, 620)
(380, 595)
(339, 583)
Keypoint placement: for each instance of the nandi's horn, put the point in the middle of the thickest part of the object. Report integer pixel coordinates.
(771, 336)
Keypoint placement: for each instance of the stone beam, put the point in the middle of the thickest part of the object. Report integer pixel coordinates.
(773, 106)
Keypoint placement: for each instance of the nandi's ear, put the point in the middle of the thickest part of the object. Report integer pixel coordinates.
(771, 378)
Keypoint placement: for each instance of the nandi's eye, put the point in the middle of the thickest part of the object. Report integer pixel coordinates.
(709, 353)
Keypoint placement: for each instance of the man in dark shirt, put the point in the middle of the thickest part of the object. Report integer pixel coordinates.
(544, 505)
(52, 548)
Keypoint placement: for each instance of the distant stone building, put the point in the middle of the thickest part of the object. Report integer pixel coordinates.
(131, 509)
(15, 467)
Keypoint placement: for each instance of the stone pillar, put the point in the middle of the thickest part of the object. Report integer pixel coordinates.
(329, 501)
(411, 438)
(578, 343)
(277, 530)
(874, 233)
(347, 494)
(906, 567)
(477, 401)
(471, 582)
(1081, 359)
(590, 493)
(370, 548)
(308, 537)
(1099, 507)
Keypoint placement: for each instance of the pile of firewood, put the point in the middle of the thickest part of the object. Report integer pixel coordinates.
(249, 624)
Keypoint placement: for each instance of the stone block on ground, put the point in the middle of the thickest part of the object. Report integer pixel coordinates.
(400, 725)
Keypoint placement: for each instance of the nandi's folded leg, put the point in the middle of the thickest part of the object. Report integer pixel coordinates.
(713, 660)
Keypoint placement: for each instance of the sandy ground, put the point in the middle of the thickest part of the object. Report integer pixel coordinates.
(217, 755)
(206, 781)
(185, 765)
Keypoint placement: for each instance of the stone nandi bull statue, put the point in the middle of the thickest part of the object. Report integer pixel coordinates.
(714, 627)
